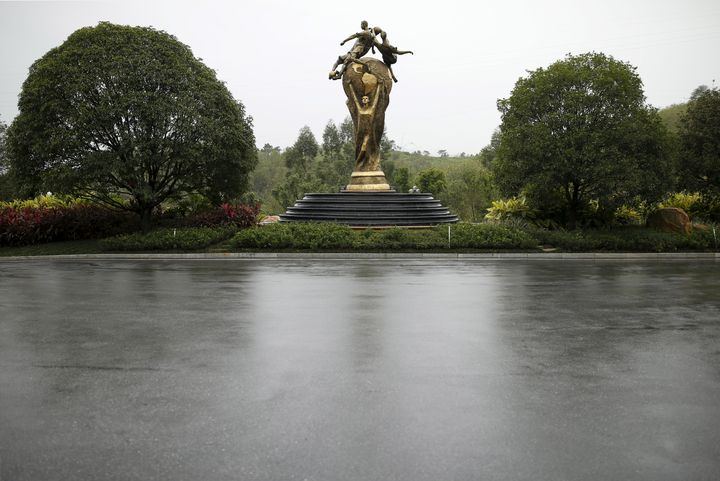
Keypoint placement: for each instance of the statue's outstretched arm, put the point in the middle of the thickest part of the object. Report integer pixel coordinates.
(376, 96)
(354, 35)
(403, 52)
(354, 97)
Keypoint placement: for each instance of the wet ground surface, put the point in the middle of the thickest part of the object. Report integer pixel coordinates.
(365, 370)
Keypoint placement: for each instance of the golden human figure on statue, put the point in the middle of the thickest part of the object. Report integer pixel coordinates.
(366, 155)
(364, 43)
(389, 52)
(367, 87)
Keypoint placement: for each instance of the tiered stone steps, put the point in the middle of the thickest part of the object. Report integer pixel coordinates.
(371, 209)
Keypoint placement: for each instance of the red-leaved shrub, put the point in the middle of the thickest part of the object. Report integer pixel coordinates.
(238, 215)
(36, 225)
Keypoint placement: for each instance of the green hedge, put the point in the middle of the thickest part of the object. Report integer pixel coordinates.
(323, 236)
(626, 239)
(487, 237)
(490, 236)
(295, 236)
(185, 239)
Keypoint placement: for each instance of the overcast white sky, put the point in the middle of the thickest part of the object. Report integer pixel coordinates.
(275, 55)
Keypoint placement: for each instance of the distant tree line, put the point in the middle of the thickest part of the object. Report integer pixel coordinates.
(284, 175)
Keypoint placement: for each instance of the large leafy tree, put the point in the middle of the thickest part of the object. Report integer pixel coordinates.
(489, 152)
(401, 179)
(332, 141)
(470, 190)
(338, 158)
(303, 151)
(581, 129)
(432, 180)
(129, 117)
(700, 143)
(300, 177)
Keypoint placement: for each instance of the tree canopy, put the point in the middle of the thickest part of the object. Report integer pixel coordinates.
(332, 140)
(469, 190)
(5, 184)
(303, 151)
(128, 116)
(671, 116)
(700, 143)
(581, 129)
(432, 180)
(3, 165)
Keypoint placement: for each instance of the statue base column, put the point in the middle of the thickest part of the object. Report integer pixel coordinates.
(372, 181)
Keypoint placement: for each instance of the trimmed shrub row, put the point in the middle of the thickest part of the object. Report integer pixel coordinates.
(626, 239)
(320, 236)
(295, 236)
(490, 236)
(168, 239)
(21, 226)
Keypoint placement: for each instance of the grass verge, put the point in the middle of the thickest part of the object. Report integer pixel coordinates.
(54, 249)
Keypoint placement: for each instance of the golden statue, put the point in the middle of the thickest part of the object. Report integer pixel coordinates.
(367, 83)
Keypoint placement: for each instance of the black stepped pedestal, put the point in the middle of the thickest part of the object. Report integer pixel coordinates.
(372, 209)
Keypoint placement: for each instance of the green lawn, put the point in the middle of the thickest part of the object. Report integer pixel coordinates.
(54, 248)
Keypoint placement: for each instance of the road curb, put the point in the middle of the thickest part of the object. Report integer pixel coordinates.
(547, 256)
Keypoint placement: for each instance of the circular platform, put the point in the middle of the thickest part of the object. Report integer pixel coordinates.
(371, 209)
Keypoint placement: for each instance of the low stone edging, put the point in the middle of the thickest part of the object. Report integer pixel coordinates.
(658, 256)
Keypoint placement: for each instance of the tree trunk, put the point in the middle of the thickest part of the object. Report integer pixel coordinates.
(572, 217)
(145, 218)
(572, 198)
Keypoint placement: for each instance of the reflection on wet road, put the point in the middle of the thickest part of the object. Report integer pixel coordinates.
(367, 370)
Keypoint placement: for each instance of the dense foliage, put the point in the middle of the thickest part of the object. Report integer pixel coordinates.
(432, 180)
(700, 144)
(313, 168)
(580, 130)
(627, 239)
(172, 239)
(6, 188)
(464, 236)
(27, 225)
(462, 183)
(672, 115)
(324, 236)
(303, 151)
(237, 215)
(3, 129)
(129, 117)
(512, 208)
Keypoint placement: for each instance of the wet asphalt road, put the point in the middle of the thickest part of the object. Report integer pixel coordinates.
(359, 370)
